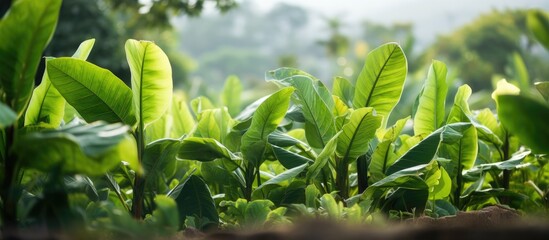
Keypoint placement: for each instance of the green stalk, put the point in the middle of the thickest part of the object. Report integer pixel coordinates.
(459, 181)
(139, 181)
(342, 178)
(9, 186)
(249, 176)
(362, 171)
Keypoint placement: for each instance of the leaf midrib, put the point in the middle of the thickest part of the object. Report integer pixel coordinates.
(346, 156)
(378, 76)
(87, 88)
(28, 50)
(141, 74)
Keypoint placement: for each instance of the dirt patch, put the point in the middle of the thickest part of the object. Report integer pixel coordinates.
(494, 222)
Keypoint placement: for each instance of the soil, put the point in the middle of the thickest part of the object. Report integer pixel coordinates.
(495, 222)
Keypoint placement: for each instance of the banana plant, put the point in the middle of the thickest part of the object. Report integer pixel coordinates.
(97, 94)
(20, 52)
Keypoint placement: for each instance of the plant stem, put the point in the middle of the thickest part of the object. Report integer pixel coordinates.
(139, 181)
(506, 173)
(457, 193)
(249, 173)
(362, 172)
(11, 172)
(342, 178)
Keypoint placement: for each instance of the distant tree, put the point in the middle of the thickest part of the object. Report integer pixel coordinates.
(376, 34)
(111, 23)
(157, 13)
(337, 44)
(485, 47)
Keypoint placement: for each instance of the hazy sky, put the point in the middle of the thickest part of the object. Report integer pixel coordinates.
(430, 17)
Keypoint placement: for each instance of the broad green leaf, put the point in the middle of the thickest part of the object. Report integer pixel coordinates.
(311, 196)
(230, 96)
(329, 204)
(422, 153)
(200, 104)
(7, 116)
(282, 139)
(204, 150)
(460, 145)
(165, 215)
(488, 127)
(151, 80)
(264, 121)
(319, 121)
(404, 179)
(89, 149)
(384, 154)
(356, 135)
(26, 29)
(406, 200)
(214, 123)
(322, 158)
(160, 128)
(444, 208)
(515, 162)
(344, 89)
(476, 186)
(460, 109)
(341, 112)
(46, 104)
(96, 93)
(289, 159)
(183, 121)
(395, 130)
(285, 72)
(521, 72)
(158, 157)
(526, 118)
(382, 158)
(407, 142)
(538, 24)
(285, 176)
(430, 112)
(504, 88)
(256, 212)
(194, 200)
(381, 80)
(543, 89)
(443, 187)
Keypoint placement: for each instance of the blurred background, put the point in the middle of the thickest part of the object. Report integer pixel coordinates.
(209, 40)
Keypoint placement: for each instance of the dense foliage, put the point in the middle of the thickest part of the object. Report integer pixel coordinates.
(83, 148)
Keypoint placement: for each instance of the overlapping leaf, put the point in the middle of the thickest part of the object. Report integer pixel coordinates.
(151, 80)
(381, 80)
(26, 29)
(96, 93)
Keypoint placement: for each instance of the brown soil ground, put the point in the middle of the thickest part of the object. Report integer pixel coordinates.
(494, 222)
